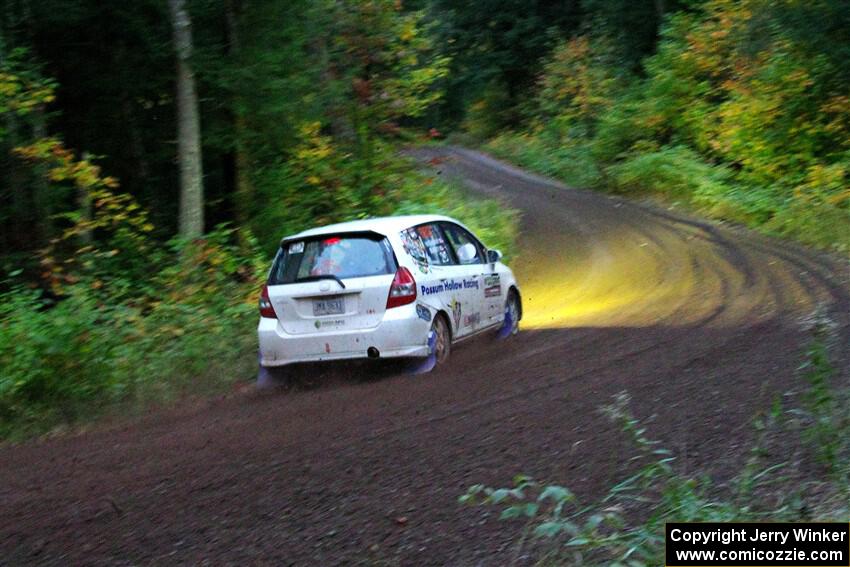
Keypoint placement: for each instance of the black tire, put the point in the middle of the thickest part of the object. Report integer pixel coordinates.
(442, 340)
(513, 307)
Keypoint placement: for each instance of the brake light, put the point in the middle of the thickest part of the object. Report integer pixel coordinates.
(266, 308)
(402, 290)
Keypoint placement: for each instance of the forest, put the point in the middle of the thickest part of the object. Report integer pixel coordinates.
(154, 152)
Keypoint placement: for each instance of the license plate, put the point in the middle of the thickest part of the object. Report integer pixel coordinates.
(329, 306)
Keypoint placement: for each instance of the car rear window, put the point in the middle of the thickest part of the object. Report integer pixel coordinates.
(342, 256)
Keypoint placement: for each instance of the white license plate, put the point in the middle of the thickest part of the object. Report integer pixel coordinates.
(329, 306)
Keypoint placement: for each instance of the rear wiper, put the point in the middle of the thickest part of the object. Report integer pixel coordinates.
(323, 277)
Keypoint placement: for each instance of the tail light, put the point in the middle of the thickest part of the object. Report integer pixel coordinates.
(402, 290)
(266, 307)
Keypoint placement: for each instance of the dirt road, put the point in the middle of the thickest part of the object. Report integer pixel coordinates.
(702, 325)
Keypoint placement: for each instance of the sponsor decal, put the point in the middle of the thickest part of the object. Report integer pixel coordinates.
(472, 320)
(449, 285)
(434, 244)
(415, 248)
(492, 285)
(296, 247)
(455, 305)
(423, 312)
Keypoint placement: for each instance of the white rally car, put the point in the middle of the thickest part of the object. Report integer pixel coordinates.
(406, 286)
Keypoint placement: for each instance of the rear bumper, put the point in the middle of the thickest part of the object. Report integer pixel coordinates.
(400, 334)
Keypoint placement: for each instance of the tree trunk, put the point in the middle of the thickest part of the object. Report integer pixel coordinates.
(188, 127)
(244, 195)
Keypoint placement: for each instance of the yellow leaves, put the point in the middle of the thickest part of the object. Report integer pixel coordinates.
(837, 114)
(23, 94)
(408, 31)
(575, 86)
(840, 199)
(109, 211)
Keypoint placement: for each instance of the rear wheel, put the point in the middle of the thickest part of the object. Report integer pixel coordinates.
(442, 339)
(272, 377)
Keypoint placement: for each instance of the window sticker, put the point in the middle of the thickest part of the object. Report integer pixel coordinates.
(415, 248)
(296, 247)
(438, 251)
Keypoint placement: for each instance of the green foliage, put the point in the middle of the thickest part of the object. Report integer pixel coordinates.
(389, 60)
(120, 223)
(60, 372)
(823, 417)
(737, 115)
(496, 48)
(576, 88)
(98, 351)
(676, 172)
(574, 163)
(23, 90)
(488, 114)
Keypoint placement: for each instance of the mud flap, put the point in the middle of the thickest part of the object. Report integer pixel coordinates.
(507, 326)
(427, 364)
(266, 377)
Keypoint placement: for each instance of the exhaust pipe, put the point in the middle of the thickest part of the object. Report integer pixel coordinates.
(372, 352)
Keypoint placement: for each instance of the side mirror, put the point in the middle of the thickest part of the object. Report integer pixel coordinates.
(493, 256)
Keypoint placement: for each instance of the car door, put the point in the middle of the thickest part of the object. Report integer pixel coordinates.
(469, 258)
(454, 283)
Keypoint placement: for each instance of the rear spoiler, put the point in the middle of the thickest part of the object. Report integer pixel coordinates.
(370, 234)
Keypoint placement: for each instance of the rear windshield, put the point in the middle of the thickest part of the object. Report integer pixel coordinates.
(343, 256)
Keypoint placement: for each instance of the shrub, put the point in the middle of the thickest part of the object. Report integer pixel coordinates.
(94, 349)
(673, 172)
(574, 164)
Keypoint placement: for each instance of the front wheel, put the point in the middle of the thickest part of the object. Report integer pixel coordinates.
(512, 314)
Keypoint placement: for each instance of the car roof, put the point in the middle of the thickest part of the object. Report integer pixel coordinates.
(381, 225)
